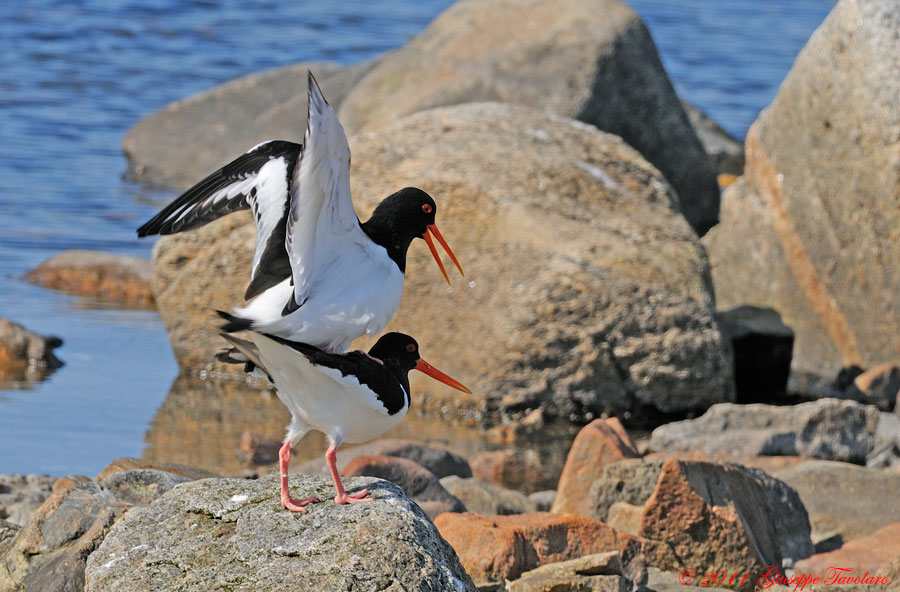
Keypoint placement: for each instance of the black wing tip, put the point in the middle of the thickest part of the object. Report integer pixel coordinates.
(234, 323)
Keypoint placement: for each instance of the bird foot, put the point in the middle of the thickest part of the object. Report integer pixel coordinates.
(353, 498)
(295, 505)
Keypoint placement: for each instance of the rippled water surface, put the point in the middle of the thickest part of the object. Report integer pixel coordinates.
(75, 76)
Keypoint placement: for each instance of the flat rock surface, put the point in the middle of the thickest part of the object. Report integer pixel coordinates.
(232, 533)
(586, 59)
(828, 429)
(845, 499)
(865, 554)
(589, 293)
(816, 211)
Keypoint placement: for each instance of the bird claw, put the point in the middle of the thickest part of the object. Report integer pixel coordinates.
(295, 505)
(353, 498)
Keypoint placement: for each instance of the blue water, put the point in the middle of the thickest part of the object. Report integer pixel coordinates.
(75, 76)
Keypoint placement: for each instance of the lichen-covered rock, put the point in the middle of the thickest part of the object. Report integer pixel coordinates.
(120, 278)
(816, 212)
(20, 495)
(232, 533)
(26, 356)
(828, 429)
(587, 291)
(186, 140)
(591, 573)
(591, 60)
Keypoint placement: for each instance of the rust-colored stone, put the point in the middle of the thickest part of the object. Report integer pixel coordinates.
(521, 470)
(601, 442)
(493, 548)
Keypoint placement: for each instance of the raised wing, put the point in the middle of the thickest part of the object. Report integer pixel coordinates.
(257, 180)
(322, 223)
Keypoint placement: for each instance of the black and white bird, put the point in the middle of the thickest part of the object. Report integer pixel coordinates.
(349, 397)
(319, 275)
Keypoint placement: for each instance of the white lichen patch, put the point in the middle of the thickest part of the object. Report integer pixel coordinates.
(598, 174)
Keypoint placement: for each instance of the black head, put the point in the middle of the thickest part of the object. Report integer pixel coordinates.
(397, 350)
(398, 219)
(400, 352)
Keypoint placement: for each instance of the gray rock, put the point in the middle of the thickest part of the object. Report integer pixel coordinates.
(141, 486)
(543, 500)
(232, 533)
(484, 498)
(631, 481)
(763, 348)
(185, 141)
(417, 482)
(591, 60)
(886, 452)
(816, 209)
(725, 150)
(49, 552)
(827, 429)
(845, 499)
(601, 286)
(25, 356)
(20, 495)
(437, 459)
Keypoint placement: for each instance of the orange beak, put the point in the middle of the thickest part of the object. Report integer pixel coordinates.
(430, 230)
(423, 366)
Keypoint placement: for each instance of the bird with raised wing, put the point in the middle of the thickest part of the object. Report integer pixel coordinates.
(319, 275)
(349, 397)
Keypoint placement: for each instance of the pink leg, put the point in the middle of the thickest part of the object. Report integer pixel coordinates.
(342, 496)
(294, 505)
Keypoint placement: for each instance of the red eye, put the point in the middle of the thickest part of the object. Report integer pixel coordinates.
(427, 209)
(411, 347)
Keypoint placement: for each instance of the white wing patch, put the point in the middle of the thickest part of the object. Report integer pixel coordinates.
(323, 222)
(268, 205)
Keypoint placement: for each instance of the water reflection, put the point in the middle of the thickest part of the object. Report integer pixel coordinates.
(201, 424)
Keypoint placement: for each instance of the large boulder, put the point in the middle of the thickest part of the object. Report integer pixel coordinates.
(591, 60)
(586, 293)
(828, 429)
(188, 139)
(232, 534)
(816, 213)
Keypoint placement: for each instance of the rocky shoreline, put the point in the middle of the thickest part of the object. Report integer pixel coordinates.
(605, 290)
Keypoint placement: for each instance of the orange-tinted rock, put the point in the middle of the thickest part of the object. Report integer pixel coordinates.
(868, 553)
(69, 481)
(891, 571)
(126, 463)
(122, 278)
(716, 516)
(521, 470)
(879, 386)
(494, 548)
(417, 482)
(601, 442)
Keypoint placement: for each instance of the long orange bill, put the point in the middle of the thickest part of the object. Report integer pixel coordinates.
(423, 366)
(433, 230)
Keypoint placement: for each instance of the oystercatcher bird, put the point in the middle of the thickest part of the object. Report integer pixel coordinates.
(319, 275)
(349, 397)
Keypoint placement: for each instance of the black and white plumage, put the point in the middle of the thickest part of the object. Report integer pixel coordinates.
(349, 397)
(319, 275)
